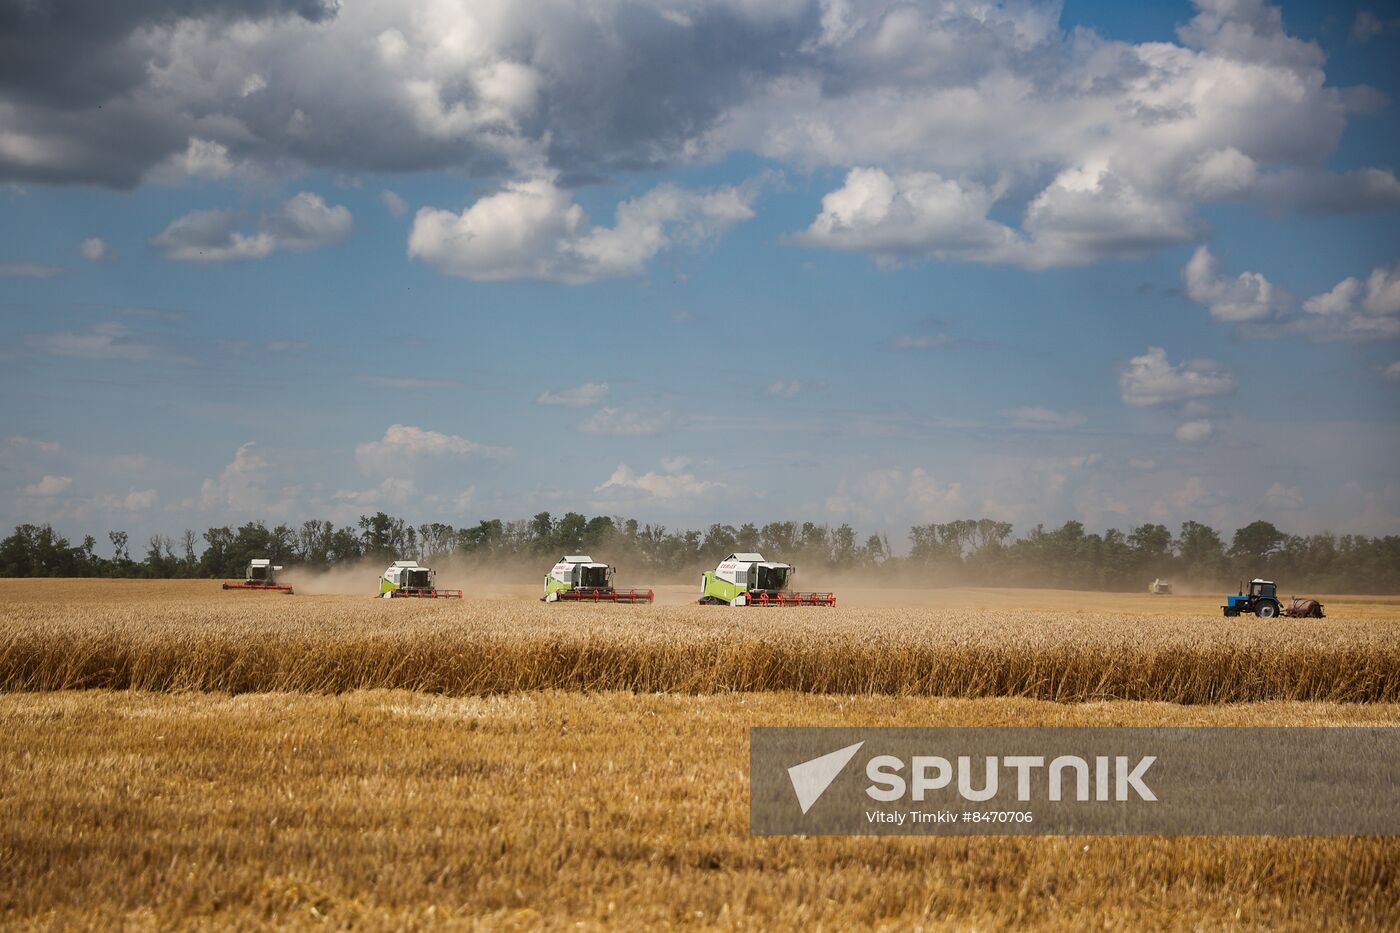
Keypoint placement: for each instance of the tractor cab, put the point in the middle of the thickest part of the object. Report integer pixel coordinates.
(1260, 600)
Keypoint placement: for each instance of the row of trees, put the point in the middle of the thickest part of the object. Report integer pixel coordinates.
(969, 551)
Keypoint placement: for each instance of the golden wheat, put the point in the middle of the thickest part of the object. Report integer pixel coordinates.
(401, 810)
(240, 642)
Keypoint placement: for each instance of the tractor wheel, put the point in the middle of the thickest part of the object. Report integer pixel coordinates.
(1266, 610)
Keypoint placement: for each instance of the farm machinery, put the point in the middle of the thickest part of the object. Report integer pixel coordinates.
(578, 577)
(405, 578)
(260, 575)
(1262, 601)
(747, 579)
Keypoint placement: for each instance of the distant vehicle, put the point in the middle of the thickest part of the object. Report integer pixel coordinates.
(260, 575)
(580, 577)
(748, 579)
(407, 578)
(1261, 600)
(1159, 588)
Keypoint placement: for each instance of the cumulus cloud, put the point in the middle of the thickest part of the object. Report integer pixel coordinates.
(49, 486)
(920, 341)
(894, 495)
(392, 492)
(403, 444)
(617, 422)
(1151, 380)
(533, 229)
(782, 389)
(625, 484)
(244, 485)
(1392, 372)
(997, 133)
(1283, 498)
(1042, 419)
(1195, 432)
(93, 249)
(1247, 297)
(305, 222)
(1355, 309)
(582, 396)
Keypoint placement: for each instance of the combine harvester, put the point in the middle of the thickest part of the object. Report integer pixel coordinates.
(579, 577)
(407, 579)
(749, 580)
(260, 575)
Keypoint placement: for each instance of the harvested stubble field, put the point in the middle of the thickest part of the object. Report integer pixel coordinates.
(191, 636)
(549, 766)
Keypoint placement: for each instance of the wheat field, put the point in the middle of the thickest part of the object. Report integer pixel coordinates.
(177, 757)
(192, 636)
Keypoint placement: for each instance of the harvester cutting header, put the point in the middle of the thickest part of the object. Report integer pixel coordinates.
(580, 577)
(406, 578)
(747, 579)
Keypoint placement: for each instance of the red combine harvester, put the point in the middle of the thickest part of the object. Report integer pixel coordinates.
(406, 579)
(579, 578)
(261, 575)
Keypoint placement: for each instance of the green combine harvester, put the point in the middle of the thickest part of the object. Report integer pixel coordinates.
(747, 579)
(579, 578)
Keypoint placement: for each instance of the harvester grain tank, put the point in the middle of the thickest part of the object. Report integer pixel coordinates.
(407, 578)
(260, 575)
(578, 577)
(748, 579)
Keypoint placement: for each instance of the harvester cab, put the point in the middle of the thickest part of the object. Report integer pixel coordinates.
(407, 578)
(1261, 600)
(747, 579)
(260, 575)
(580, 577)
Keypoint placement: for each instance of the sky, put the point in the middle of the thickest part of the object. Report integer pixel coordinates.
(884, 263)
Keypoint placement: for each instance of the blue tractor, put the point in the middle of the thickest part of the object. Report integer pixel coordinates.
(1261, 600)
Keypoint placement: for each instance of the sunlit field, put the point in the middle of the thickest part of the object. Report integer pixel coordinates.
(234, 759)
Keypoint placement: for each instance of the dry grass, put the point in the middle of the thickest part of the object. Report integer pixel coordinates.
(192, 636)
(401, 810)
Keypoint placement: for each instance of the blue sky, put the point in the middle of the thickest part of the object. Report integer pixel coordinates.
(883, 263)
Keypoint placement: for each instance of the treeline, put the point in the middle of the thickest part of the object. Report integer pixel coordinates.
(972, 551)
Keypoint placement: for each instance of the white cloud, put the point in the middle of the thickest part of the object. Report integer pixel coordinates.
(136, 500)
(49, 486)
(617, 422)
(27, 270)
(1392, 372)
(1366, 26)
(1195, 432)
(305, 222)
(243, 486)
(19, 442)
(94, 249)
(1248, 297)
(533, 230)
(392, 492)
(1340, 300)
(404, 443)
(109, 341)
(893, 495)
(782, 389)
(1285, 498)
(396, 205)
(1044, 419)
(625, 484)
(582, 396)
(1151, 380)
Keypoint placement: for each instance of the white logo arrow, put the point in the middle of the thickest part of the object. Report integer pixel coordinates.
(811, 778)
